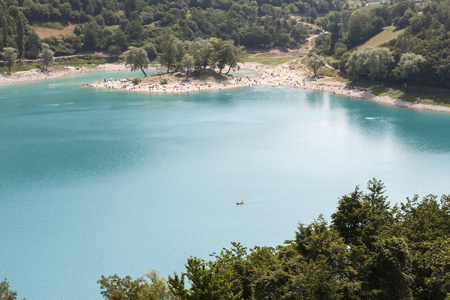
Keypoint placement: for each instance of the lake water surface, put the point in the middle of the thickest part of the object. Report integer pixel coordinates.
(99, 182)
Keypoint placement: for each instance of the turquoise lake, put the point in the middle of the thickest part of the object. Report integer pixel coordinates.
(99, 182)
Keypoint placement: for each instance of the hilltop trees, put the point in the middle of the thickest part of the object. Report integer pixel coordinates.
(5, 292)
(370, 251)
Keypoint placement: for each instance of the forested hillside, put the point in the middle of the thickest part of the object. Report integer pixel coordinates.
(105, 23)
(426, 34)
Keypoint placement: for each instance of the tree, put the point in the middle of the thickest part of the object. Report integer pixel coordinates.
(315, 62)
(158, 287)
(188, 63)
(116, 288)
(4, 31)
(10, 56)
(32, 45)
(299, 33)
(20, 38)
(409, 65)
(151, 51)
(137, 59)
(201, 50)
(91, 36)
(207, 281)
(371, 62)
(120, 39)
(5, 292)
(77, 30)
(46, 55)
(170, 52)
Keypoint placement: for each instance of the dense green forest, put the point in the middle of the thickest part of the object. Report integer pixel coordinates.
(369, 250)
(426, 33)
(101, 24)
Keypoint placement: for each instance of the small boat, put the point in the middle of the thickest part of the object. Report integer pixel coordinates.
(239, 202)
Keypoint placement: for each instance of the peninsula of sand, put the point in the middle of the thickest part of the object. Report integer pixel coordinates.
(291, 74)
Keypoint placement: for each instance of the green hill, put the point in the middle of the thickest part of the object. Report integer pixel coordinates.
(389, 33)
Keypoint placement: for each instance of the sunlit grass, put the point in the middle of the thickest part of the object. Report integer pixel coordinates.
(388, 33)
(414, 95)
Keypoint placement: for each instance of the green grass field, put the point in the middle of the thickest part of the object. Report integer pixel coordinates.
(397, 91)
(268, 59)
(388, 33)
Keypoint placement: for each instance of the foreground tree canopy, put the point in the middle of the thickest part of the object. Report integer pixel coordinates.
(369, 250)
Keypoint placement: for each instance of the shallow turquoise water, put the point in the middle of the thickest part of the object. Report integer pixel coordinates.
(98, 182)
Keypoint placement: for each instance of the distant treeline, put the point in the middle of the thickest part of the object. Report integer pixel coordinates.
(124, 23)
(426, 33)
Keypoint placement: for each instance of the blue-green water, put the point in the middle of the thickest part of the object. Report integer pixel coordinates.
(98, 182)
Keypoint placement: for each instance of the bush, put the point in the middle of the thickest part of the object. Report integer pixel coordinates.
(136, 80)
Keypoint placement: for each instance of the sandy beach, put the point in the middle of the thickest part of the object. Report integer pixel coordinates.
(291, 74)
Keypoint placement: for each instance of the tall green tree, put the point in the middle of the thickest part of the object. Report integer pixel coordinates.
(116, 288)
(188, 63)
(20, 37)
(202, 51)
(137, 59)
(170, 52)
(207, 281)
(225, 55)
(32, 45)
(5, 292)
(315, 61)
(46, 55)
(409, 65)
(151, 51)
(91, 36)
(9, 56)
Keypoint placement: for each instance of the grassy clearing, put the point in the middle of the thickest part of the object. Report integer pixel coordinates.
(49, 29)
(388, 33)
(397, 91)
(269, 59)
(20, 66)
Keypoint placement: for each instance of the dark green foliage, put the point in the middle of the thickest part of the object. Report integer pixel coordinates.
(207, 282)
(5, 292)
(426, 33)
(371, 251)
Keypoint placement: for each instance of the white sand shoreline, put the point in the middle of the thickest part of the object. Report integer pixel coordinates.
(278, 76)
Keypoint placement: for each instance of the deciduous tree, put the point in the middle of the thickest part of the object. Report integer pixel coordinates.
(137, 59)
(315, 61)
(409, 65)
(9, 56)
(46, 55)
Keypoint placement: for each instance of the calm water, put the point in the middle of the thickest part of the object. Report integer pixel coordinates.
(97, 182)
